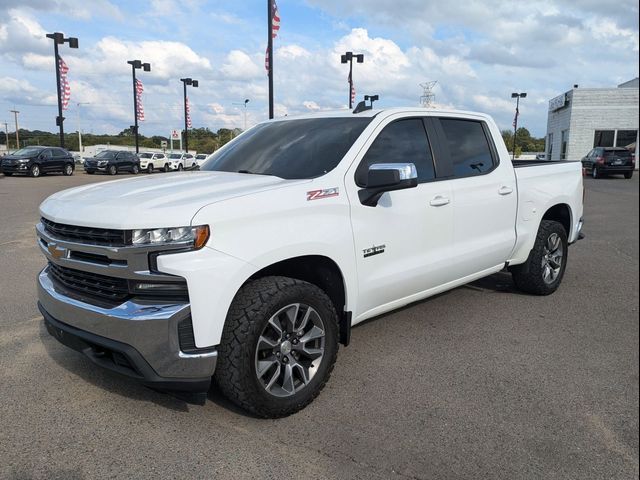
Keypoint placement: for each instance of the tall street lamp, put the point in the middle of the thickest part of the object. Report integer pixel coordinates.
(517, 96)
(58, 39)
(137, 65)
(245, 111)
(348, 58)
(371, 98)
(193, 83)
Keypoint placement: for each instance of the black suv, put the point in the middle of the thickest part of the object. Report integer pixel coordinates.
(36, 161)
(112, 162)
(602, 161)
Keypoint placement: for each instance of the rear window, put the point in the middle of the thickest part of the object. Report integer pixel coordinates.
(617, 153)
(468, 146)
(290, 149)
(145, 155)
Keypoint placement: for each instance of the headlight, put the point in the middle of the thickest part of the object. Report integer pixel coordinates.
(103, 163)
(23, 160)
(197, 236)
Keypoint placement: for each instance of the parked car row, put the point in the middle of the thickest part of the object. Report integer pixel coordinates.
(38, 160)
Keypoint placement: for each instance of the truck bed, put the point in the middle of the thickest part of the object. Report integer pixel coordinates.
(534, 163)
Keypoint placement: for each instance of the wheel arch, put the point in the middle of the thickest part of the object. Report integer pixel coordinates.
(562, 214)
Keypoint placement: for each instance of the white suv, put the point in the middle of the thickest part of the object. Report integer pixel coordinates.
(180, 161)
(150, 161)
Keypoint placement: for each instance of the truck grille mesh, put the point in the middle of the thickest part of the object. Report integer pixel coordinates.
(87, 283)
(88, 235)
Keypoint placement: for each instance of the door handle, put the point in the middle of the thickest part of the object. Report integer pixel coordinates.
(504, 190)
(439, 201)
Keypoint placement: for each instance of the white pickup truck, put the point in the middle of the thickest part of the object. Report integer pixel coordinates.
(253, 270)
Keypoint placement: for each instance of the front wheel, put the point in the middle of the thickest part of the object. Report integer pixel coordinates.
(68, 170)
(180, 167)
(113, 170)
(278, 347)
(167, 168)
(150, 169)
(628, 175)
(595, 173)
(34, 171)
(8, 174)
(544, 269)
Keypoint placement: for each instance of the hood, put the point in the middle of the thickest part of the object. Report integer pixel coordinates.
(168, 200)
(18, 157)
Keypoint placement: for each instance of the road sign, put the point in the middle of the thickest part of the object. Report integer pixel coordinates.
(163, 143)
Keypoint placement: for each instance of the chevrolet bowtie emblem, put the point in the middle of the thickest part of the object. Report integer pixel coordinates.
(56, 252)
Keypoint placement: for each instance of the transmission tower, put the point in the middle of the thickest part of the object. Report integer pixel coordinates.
(428, 97)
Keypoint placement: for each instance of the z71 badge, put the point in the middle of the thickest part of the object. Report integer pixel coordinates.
(370, 252)
(320, 194)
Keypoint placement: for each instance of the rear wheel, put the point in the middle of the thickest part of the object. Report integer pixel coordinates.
(113, 170)
(180, 167)
(278, 348)
(135, 169)
(34, 171)
(90, 172)
(544, 269)
(68, 170)
(628, 175)
(166, 168)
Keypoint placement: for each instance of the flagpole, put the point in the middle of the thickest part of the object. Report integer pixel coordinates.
(135, 107)
(60, 119)
(270, 54)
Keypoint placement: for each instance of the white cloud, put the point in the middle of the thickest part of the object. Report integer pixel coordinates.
(239, 66)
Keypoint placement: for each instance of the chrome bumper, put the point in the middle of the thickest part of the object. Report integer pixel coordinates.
(150, 329)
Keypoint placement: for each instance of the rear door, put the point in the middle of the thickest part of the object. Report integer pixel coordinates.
(58, 160)
(403, 245)
(46, 160)
(484, 196)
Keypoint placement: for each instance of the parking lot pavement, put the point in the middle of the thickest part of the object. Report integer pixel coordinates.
(480, 382)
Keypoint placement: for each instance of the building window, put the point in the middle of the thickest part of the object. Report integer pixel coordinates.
(603, 138)
(550, 146)
(627, 139)
(563, 144)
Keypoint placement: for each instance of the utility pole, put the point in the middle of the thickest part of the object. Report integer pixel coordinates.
(79, 104)
(6, 133)
(15, 115)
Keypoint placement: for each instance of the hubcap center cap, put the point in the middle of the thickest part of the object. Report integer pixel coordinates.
(285, 347)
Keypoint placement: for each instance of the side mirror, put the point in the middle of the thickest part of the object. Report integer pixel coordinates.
(387, 177)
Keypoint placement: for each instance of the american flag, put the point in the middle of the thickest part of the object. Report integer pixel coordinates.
(353, 89)
(65, 88)
(515, 119)
(275, 29)
(139, 107)
(188, 114)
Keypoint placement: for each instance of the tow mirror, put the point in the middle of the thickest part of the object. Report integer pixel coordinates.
(387, 177)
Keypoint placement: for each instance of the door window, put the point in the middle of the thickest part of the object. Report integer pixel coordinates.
(468, 146)
(404, 141)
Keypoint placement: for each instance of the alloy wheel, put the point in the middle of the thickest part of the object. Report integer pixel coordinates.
(290, 350)
(552, 259)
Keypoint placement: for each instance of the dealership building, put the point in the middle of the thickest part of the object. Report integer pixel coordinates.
(584, 118)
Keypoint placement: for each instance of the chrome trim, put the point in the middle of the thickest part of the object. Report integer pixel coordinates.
(406, 171)
(197, 355)
(133, 260)
(151, 328)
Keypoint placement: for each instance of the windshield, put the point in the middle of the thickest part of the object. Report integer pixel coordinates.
(27, 152)
(145, 155)
(175, 155)
(291, 149)
(201, 156)
(106, 154)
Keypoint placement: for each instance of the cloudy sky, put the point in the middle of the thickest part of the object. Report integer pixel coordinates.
(478, 51)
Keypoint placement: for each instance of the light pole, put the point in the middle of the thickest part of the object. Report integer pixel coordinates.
(137, 64)
(517, 96)
(58, 39)
(245, 111)
(348, 58)
(371, 98)
(6, 135)
(15, 116)
(193, 83)
(79, 104)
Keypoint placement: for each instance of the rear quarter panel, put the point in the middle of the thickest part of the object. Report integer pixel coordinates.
(541, 187)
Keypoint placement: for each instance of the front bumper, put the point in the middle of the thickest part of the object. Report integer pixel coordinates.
(15, 168)
(137, 338)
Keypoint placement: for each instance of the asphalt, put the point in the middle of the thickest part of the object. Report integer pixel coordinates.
(480, 382)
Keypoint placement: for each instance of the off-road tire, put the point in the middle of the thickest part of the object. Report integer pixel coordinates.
(528, 277)
(250, 311)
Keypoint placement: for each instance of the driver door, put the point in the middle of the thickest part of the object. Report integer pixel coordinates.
(402, 245)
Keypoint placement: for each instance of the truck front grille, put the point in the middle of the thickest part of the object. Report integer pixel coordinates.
(87, 283)
(89, 235)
